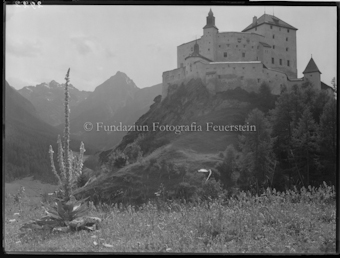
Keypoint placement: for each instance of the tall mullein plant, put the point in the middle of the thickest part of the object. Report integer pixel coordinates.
(70, 167)
(67, 154)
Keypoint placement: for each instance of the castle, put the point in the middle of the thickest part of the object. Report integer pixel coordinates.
(265, 51)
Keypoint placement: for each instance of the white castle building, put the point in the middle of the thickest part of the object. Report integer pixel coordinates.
(265, 51)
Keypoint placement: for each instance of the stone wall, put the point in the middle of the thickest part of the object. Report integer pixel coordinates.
(238, 46)
(173, 76)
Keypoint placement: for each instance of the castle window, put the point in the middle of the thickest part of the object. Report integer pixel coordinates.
(273, 46)
(280, 61)
(225, 54)
(286, 39)
(286, 48)
(219, 45)
(271, 26)
(272, 60)
(288, 63)
(288, 31)
(273, 36)
(258, 80)
(243, 54)
(236, 45)
(208, 49)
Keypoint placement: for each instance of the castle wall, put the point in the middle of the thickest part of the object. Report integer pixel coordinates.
(221, 76)
(173, 76)
(237, 46)
(276, 79)
(185, 50)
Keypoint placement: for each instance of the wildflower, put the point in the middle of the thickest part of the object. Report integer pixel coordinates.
(67, 213)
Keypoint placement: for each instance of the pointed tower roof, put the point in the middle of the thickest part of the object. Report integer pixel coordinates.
(269, 19)
(196, 53)
(311, 67)
(210, 21)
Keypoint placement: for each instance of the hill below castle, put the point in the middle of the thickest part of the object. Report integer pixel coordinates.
(187, 132)
(170, 157)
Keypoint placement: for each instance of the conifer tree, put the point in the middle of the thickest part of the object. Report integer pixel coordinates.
(229, 167)
(257, 149)
(305, 145)
(328, 138)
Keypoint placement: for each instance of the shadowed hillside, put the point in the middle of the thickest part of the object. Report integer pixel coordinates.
(27, 139)
(170, 158)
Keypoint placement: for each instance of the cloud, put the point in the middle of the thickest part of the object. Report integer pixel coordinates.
(109, 54)
(24, 47)
(18, 83)
(83, 45)
(90, 45)
(154, 48)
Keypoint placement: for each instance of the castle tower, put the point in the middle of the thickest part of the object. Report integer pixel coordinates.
(312, 74)
(281, 37)
(210, 32)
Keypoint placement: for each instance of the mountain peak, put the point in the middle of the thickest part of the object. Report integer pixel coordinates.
(54, 84)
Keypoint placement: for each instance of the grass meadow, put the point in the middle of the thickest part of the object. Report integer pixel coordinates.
(290, 222)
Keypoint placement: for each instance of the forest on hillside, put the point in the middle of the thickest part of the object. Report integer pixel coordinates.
(294, 144)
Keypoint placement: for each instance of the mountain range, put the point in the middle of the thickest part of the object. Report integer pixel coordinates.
(117, 100)
(48, 99)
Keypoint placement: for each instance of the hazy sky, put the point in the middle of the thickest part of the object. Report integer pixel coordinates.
(141, 41)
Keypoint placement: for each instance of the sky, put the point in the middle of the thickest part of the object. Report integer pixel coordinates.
(97, 41)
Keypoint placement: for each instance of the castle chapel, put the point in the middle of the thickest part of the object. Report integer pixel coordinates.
(265, 51)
